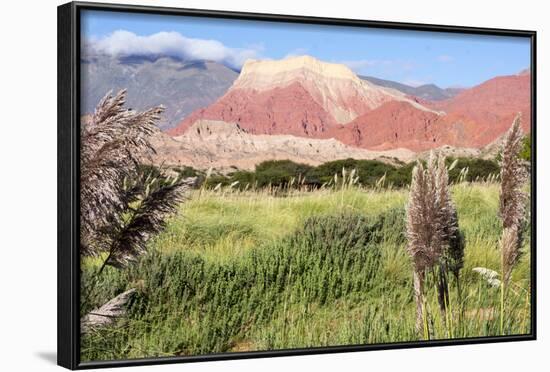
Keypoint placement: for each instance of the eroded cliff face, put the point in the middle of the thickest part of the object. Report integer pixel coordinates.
(305, 97)
(225, 146)
(300, 96)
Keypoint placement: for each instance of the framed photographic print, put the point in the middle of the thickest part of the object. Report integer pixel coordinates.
(237, 185)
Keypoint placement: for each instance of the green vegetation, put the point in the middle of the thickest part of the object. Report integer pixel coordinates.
(473, 169)
(242, 270)
(370, 173)
(187, 172)
(525, 152)
(290, 255)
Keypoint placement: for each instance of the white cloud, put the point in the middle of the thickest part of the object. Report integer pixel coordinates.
(121, 43)
(445, 58)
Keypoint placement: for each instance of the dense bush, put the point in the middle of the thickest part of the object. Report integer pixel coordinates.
(217, 179)
(284, 173)
(279, 172)
(349, 231)
(188, 172)
(369, 173)
(525, 153)
(478, 169)
(188, 305)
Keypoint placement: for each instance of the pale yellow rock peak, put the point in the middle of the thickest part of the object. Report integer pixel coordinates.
(305, 62)
(329, 83)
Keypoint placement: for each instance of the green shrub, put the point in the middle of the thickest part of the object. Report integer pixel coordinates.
(525, 153)
(187, 305)
(400, 176)
(369, 173)
(279, 172)
(217, 179)
(188, 172)
(478, 169)
(348, 231)
(244, 178)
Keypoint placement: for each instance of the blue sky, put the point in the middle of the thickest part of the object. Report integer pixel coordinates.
(411, 57)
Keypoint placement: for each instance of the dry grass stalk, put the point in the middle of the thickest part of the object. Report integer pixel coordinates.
(512, 198)
(509, 245)
(434, 239)
(422, 225)
(512, 176)
(121, 205)
(452, 239)
(154, 201)
(418, 284)
(107, 314)
(110, 146)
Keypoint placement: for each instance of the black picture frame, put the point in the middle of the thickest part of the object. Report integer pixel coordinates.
(68, 332)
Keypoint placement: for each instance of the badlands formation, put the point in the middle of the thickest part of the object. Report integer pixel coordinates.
(310, 111)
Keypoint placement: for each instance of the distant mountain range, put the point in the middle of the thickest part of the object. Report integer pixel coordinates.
(305, 97)
(303, 109)
(429, 92)
(184, 86)
(181, 86)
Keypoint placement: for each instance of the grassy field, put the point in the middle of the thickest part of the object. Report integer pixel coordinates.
(240, 271)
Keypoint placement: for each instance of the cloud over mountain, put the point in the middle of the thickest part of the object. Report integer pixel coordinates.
(174, 44)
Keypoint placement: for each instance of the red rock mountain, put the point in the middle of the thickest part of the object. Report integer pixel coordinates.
(474, 118)
(305, 97)
(301, 96)
(393, 124)
(281, 110)
(489, 108)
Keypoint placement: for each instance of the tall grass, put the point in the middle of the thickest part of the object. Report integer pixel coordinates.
(435, 242)
(249, 270)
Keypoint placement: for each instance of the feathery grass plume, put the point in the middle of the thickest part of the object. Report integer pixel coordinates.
(512, 178)
(452, 236)
(509, 245)
(156, 199)
(122, 203)
(452, 239)
(445, 207)
(424, 230)
(419, 235)
(434, 238)
(512, 198)
(110, 146)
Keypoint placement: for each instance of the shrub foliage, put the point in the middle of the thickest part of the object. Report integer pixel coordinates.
(369, 173)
